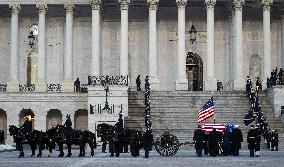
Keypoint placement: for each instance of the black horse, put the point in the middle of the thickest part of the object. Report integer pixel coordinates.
(21, 138)
(110, 135)
(74, 137)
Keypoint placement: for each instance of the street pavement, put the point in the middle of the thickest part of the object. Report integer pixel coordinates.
(184, 158)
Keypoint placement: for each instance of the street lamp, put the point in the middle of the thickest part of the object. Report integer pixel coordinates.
(106, 86)
(31, 39)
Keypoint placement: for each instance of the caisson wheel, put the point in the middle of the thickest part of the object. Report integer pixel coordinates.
(167, 144)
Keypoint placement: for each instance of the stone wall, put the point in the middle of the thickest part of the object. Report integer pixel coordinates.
(276, 99)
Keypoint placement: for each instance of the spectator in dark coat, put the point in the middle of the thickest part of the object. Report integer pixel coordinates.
(199, 139)
(226, 141)
(237, 139)
(2, 137)
(147, 142)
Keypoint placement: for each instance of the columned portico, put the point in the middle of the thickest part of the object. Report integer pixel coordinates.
(210, 83)
(41, 82)
(153, 65)
(239, 81)
(68, 79)
(266, 5)
(124, 37)
(182, 82)
(13, 84)
(96, 37)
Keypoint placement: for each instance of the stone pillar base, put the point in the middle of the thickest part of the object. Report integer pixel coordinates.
(240, 85)
(68, 85)
(210, 85)
(13, 86)
(154, 83)
(182, 84)
(41, 86)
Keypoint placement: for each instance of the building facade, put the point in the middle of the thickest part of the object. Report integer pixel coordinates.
(81, 38)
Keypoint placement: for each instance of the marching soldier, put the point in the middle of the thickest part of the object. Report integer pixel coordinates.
(199, 140)
(138, 83)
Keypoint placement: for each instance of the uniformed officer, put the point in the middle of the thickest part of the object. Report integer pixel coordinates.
(199, 140)
(273, 140)
(147, 142)
(213, 142)
(258, 85)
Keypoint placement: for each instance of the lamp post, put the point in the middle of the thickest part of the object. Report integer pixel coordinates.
(31, 40)
(106, 86)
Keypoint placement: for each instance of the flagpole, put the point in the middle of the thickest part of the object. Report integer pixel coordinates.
(214, 112)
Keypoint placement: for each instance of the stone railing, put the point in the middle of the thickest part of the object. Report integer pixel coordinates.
(3, 87)
(54, 87)
(26, 88)
(84, 88)
(113, 80)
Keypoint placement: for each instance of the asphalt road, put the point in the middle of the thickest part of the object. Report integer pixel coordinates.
(184, 157)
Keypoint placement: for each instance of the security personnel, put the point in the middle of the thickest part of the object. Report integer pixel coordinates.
(199, 139)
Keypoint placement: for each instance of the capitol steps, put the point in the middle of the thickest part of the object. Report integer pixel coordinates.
(177, 112)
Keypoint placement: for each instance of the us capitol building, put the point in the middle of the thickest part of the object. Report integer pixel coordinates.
(183, 45)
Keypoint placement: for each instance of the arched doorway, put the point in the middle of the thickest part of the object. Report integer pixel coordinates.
(53, 118)
(23, 114)
(81, 119)
(194, 71)
(3, 122)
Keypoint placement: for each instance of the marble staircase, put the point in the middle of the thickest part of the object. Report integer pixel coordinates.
(177, 112)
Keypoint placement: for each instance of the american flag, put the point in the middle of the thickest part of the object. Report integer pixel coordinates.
(207, 111)
(209, 127)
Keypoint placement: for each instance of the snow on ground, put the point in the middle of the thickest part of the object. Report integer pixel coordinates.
(6, 147)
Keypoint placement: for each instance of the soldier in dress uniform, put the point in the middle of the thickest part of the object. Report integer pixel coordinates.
(253, 140)
(273, 140)
(258, 85)
(199, 140)
(213, 142)
(237, 139)
(138, 83)
(118, 132)
(27, 126)
(227, 137)
(1, 136)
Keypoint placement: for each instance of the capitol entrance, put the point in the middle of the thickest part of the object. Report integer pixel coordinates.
(194, 72)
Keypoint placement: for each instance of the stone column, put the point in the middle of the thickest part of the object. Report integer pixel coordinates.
(96, 38)
(239, 80)
(266, 4)
(282, 39)
(68, 79)
(210, 83)
(13, 84)
(181, 82)
(41, 82)
(124, 37)
(153, 65)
